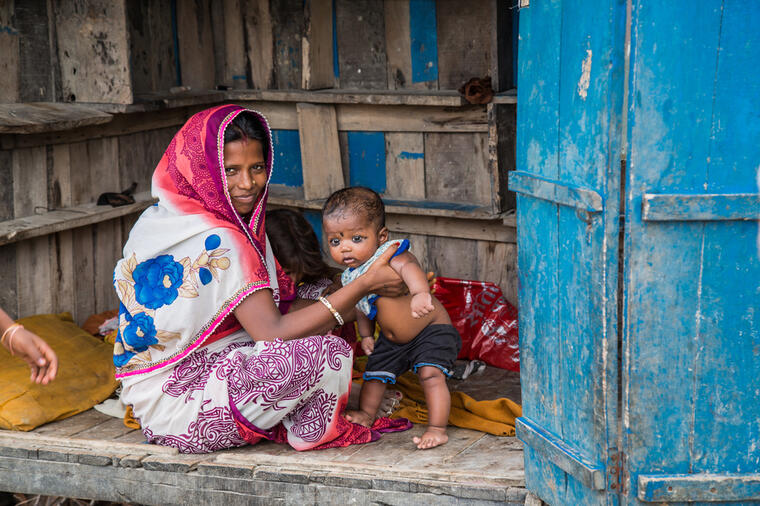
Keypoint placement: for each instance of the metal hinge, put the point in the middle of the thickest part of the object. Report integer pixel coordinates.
(616, 471)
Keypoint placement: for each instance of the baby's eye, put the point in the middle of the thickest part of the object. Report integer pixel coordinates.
(357, 238)
(334, 242)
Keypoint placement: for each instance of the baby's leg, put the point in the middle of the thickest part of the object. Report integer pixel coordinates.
(369, 400)
(438, 402)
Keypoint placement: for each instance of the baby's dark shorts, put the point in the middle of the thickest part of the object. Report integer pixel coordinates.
(436, 345)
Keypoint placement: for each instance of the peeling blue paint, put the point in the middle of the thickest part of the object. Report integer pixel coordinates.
(366, 158)
(408, 155)
(424, 40)
(288, 169)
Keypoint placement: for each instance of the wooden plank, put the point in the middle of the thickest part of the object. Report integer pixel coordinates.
(320, 151)
(149, 23)
(366, 158)
(93, 51)
(443, 98)
(84, 282)
(419, 246)
(62, 272)
(287, 27)
(280, 116)
(497, 263)
(234, 44)
(708, 487)
(8, 294)
(196, 45)
(10, 66)
(29, 169)
(37, 64)
(121, 124)
(103, 166)
(463, 50)
(317, 45)
(423, 34)
(453, 258)
(109, 429)
(67, 219)
(107, 243)
(361, 44)
(704, 207)
(259, 42)
(405, 166)
(456, 168)
(67, 427)
(411, 119)
(7, 438)
(397, 45)
(502, 134)
(479, 230)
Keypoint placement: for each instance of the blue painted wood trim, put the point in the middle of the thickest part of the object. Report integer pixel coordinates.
(560, 453)
(423, 34)
(699, 487)
(705, 207)
(555, 191)
(366, 160)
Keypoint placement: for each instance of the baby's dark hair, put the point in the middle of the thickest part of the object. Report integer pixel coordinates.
(357, 199)
(247, 126)
(295, 245)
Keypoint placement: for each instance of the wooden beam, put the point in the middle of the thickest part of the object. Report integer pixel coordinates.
(47, 117)
(320, 150)
(411, 118)
(479, 230)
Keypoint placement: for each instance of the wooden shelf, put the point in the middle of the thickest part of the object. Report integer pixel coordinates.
(67, 218)
(38, 117)
(293, 197)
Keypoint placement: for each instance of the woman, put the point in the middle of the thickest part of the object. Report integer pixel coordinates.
(207, 354)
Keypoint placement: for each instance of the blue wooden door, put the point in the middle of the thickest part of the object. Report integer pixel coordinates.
(570, 98)
(691, 341)
(641, 378)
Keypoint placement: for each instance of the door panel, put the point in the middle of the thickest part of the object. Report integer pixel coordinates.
(567, 223)
(691, 385)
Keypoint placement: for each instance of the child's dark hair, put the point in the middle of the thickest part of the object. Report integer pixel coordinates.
(358, 199)
(295, 245)
(247, 126)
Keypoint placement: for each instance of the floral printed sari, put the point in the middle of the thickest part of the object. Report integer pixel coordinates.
(194, 378)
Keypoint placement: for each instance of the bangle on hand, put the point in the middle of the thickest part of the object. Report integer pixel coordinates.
(10, 331)
(334, 312)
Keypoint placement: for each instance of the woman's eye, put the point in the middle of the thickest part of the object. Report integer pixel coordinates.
(229, 171)
(357, 238)
(259, 168)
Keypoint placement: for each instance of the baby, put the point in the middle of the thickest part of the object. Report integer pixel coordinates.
(416, 330)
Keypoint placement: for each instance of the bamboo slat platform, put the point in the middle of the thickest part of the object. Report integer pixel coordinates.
(95, 456)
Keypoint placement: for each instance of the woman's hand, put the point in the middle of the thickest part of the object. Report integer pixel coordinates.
(398, 288)
(381, 276)
(37, 353)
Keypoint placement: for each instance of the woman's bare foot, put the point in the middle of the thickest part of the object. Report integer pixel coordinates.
(360, 417)
(433, 436)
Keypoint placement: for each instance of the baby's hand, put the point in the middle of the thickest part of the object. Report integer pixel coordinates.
(422, 304)
(368, 345)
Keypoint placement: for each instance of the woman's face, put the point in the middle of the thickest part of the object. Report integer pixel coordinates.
(246, 172)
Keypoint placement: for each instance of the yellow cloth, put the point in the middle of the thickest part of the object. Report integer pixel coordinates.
(130, 420)
(495, 416)
(85, 375)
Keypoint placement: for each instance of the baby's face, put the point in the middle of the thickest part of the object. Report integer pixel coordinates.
(352, 239)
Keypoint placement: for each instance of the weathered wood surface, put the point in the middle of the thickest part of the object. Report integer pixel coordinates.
(320, 150)
(196, 45)
(151, 44)
(93, 51)
(66, 219)
(361, 44)
(94, 456)
(47, 117)
(260, 42)
(317, 45)
(9, 57)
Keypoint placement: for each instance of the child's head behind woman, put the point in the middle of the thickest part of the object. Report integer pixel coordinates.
(296, 247)
(354, 224)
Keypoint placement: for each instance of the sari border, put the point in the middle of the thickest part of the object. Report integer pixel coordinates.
(200, 338)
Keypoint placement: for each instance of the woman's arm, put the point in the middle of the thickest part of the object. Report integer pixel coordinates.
(260, 317)
(41, 358)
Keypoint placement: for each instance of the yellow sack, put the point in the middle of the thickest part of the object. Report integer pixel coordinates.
(85, 375)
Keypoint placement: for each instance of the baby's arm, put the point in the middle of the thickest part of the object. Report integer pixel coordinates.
(366, 332)
(410, 271)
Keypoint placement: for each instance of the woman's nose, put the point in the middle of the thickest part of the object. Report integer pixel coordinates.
(245, 181)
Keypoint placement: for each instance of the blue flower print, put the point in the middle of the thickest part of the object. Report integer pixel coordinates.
(205, 275)
(212, 242)
(140, 332)
(157, 281)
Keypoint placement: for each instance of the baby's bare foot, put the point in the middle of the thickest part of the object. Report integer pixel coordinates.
(433, 436)
(360, 417)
